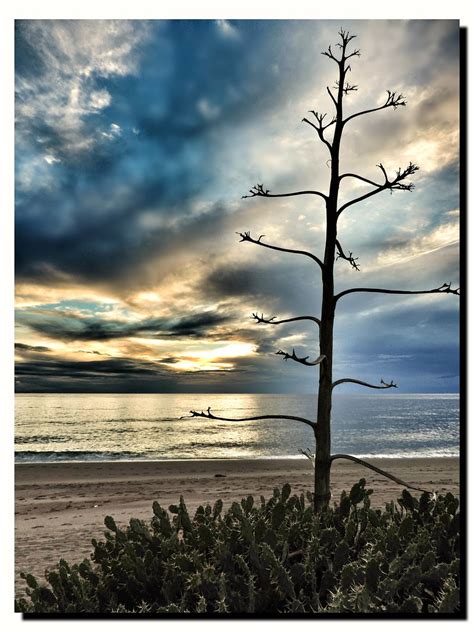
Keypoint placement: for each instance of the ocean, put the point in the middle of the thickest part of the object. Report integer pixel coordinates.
(103, 427)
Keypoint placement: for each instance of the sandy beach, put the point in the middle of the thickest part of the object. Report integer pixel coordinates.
(60, 506)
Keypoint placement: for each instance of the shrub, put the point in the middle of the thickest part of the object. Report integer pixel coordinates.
(270, 556)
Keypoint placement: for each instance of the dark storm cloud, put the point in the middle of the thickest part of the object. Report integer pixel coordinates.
(156, 162)
(19, 346)
(64, 326)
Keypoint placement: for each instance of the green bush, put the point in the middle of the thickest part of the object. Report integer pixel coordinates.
(272, 556)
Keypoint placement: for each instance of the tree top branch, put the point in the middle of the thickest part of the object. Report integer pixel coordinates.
(345, 37)
(247, 237)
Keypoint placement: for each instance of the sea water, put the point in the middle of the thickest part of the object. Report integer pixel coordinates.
(97, 427)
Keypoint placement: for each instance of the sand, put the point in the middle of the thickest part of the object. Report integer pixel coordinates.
(59, 507)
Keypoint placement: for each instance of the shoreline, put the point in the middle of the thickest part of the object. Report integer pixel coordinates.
(60, 507)
(287, 457)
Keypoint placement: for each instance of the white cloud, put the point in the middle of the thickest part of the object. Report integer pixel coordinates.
(227, 29)
(207, 109)
(440, 237)
(50, 159)
(114, 131)
(100, 99)
(74, 54)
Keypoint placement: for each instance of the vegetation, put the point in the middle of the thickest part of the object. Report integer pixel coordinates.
(269, 557)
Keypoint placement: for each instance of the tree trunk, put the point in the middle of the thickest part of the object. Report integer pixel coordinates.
(322, 493)
(322, 469)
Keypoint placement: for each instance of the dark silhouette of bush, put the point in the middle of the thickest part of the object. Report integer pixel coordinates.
(269, 557)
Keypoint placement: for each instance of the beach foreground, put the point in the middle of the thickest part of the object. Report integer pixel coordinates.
(59, 507)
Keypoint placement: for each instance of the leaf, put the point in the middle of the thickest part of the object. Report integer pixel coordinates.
(110, 523)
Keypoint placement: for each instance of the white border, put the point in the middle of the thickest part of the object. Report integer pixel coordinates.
(141, 9)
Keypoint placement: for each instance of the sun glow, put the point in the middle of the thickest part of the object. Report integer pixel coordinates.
(216, 359)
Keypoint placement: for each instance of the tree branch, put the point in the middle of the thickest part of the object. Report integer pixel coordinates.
(342, 255)
(393, 100)
(358, 177)
(352, 381)
(272, 321)
(330, 54)
(246, 237)
(396, 184)
(376, 469)
(347, 87)
(320, 127)
(259, 191)
(209, 415)
(293, 356)
(442, 289)
(331, 95)
(345, 39)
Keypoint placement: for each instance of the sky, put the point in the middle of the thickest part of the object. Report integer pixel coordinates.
(135, 141)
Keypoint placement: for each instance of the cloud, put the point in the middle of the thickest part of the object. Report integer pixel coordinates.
(62, 325)
(70, 58)
(131, 162)
(27, 348)
(226, 29)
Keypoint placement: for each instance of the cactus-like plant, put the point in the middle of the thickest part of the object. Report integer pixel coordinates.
(272, 557)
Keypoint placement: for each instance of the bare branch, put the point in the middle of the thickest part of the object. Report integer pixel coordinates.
(396, 184)
(309, 455)
(330, 54)
(246, 237)
(346, 37)
(272, 321)
(293, 356)
(352, 381)
(378, 470)
(331, 95)
(355, 53)
(342, 255)
(358, 177)
(320, 127)
(347, 87)
(442, 289)
(393, 100)
(259, 191)
(209, 415)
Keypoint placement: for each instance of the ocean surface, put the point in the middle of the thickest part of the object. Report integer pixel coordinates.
(102, 427)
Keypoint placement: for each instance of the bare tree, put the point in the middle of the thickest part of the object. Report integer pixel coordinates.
(333, 250)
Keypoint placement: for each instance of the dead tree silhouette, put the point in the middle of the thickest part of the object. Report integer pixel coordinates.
(333, 251)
